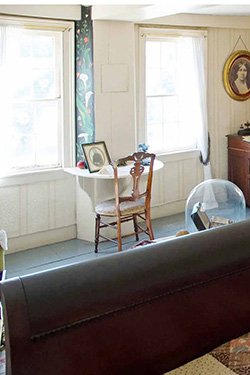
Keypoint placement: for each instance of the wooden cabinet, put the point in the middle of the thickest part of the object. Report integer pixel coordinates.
(239, 164)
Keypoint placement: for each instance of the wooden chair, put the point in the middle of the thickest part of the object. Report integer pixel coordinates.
(130, 207)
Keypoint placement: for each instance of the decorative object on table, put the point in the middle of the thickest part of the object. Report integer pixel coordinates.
(144, 148)
(127, 208)
(200, 217)
(246, 138)
(96, 155)
(214, 202)
(202, 222)
(244, 129)
(217, 221)
(182, 232)
(236, 75)
(122, 164)
(81, 164)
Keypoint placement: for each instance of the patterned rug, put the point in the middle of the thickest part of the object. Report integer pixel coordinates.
(232, 358)
(2, 362)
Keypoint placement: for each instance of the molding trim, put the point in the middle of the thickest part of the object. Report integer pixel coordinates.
(40, 239)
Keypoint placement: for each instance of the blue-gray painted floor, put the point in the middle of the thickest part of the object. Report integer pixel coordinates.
(73, 251)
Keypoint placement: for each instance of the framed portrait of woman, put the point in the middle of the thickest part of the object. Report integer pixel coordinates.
(236, 75)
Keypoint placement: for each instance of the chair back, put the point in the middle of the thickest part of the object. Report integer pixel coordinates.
(136, 171)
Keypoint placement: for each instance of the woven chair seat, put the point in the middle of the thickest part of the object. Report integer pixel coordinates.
(127, 208)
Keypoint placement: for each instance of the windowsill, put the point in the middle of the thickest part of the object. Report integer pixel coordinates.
(23, 178)
(178, 155)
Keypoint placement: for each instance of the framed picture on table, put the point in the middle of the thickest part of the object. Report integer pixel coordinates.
(236, 75)
(96, 155)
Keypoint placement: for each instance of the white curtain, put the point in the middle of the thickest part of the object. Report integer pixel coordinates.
(4, 103)
(9, 79)
(199, 64)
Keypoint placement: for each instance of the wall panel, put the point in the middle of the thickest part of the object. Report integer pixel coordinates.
(10, 213)
(224, 114)
(64, 203)
(34, 208)
(38, 207)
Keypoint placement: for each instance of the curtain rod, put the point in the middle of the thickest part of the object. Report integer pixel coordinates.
(10, 15)
(180, 27)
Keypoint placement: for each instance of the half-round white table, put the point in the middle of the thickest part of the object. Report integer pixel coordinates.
(92, 188)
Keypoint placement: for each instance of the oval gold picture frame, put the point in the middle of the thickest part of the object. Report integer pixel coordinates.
(236, 75)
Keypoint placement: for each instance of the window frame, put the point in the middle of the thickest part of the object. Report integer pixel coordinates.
(157, 33)
(67, 127)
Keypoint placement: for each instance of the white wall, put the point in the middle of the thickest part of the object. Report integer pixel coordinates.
(114, 86)
(116, 111)
(64, 12)
(38, 213)
(225, 114)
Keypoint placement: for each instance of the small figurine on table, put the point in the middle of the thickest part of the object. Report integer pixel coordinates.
(144, 148)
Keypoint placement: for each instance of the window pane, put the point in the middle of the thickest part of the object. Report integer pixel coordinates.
(153, 51)
(153, 81)
(23, 118)
(44, 47)
(23, 151)
(160, 68)
(170, 109)
(171, 136)
(31, 124)
(22, 143)
(173, 111)
(154, 110)
(155, 137)
(44, 83)
(26, 46)
(46, 123)
(167, 83)
(168, 50)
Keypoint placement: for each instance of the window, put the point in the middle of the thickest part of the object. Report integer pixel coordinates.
(170, 109)
(34, 109)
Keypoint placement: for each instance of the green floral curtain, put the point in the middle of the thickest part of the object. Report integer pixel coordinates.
(85, 128)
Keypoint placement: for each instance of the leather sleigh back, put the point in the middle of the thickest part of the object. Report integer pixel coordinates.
(142, 311)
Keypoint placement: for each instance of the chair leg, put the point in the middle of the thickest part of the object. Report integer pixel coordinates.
(119, 234)
(148, 224)
(135, 227)
(97, 232)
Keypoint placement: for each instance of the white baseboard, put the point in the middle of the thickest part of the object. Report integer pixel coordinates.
(168, 209)
(30, 241)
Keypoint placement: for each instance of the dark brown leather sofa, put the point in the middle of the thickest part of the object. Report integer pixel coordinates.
(143, 311)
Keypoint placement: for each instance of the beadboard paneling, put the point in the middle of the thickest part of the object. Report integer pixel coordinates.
(64, 204)
(37, 208)
(10, 213)
(224, 114)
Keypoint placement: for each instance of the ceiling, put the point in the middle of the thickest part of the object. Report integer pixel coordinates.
(143, 12)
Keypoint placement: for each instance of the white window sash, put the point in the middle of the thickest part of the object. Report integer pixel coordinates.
(145, 34)
(66, 131)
